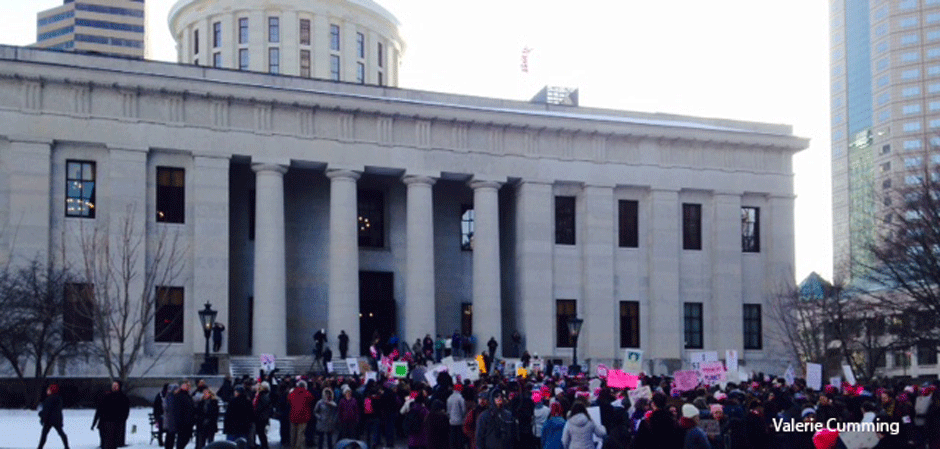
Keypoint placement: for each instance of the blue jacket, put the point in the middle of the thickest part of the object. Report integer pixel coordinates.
(551, 432)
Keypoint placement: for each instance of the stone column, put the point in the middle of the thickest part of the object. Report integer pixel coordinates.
(534, 269)
(726, 310)
(600, 333)
(270, 310)
(210, 212)
(487, 307)
(27, 231)
(343, 308)
(419, 316)
(664, 319)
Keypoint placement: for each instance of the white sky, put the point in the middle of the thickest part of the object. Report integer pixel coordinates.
(738, 59)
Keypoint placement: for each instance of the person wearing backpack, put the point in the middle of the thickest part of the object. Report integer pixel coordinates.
(496, 427)
(415, 421)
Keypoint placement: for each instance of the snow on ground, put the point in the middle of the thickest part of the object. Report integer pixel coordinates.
(20, 429)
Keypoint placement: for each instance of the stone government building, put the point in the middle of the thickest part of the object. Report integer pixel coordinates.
(310, 203)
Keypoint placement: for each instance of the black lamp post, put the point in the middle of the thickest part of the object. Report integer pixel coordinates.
(207, 318)
(574, 329)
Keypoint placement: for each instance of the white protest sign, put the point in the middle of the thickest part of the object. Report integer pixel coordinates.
(643, 392)
(731, 360)
(595, 414)
(789, 376)
(814, 376)
(632, 361)
(431, 378)
(329, 367)
(835, 381)
(372, 375)
(268, 363)
(353, 365)
(849, 375)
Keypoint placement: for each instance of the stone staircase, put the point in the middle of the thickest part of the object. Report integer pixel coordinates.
(251, 365)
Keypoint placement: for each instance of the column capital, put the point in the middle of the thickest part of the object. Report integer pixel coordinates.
(342, 173)
(484, 184)
(418, 179)
(277, 168)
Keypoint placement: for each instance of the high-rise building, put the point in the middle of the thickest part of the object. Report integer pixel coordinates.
(355, 41)
(111, 27)
(885, 106)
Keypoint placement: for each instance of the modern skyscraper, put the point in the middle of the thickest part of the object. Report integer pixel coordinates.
(111, 27)
(885, 110)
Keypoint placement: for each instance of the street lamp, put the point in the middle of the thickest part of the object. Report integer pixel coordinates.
(207, 318)
(574, 329)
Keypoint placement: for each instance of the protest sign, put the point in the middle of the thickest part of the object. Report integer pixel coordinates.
(789, 376)
(400, 369)
(371, 375)
(713, 373)
(595, 414)
(481, 365)
(522, 372)
(849, 375)
(352, 365)
(643, 392)
(268, 363)
(601, 370)
(431, 378)
(329, 367)
(685, 380)
(731, 360)
(619, 379)
(814, 376)
(632, 361)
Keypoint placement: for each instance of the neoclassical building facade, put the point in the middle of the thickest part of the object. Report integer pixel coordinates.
(307, 204)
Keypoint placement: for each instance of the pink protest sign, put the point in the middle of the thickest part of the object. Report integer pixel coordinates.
(685, 380)
(713, 372)
(619, 379)
(601, 370)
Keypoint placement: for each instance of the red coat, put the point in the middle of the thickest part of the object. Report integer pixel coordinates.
(300, 401)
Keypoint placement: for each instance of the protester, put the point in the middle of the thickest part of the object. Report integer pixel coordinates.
(263, 409)
(580, 430)
(207, 419)
(110, 416)
(300, 401)
(325, 413)
(497, 427)
(50, 416)
(238, 416)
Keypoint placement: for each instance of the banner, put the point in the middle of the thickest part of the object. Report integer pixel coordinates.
(685, 380)
(632, 361)
(619, 379)
(789, 375)
(814, 376)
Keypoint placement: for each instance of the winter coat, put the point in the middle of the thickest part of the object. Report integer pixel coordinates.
(695, 437)
(300, 400)
(456, 409)
(263, 409)
(539, 416)
(169, 417)
(114, 407)
(238, 416)
(496, 429)
(438, 429)
(579, 432)
(51, 412)
(325, 412)
(184, 411)
(207, 416)
(551, 432)
(420, 413)
(348, 411)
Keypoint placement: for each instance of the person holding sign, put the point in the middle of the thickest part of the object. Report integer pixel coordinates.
(579, 431)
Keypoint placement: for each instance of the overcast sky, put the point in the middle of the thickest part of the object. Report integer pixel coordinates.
(738, 59)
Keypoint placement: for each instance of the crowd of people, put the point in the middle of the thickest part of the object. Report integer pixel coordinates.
(535, 411)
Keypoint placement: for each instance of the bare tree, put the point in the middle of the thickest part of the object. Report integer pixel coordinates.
(905, 255)
(123, 270)
(34, 325)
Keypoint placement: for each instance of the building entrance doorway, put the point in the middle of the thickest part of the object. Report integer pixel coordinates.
(377, 309)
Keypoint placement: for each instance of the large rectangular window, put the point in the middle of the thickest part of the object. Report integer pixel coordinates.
(243, 59)
(693, 325)
(564, 220)
(334, 67)
(216, 34)
(304, 31)
(305, 63)
(360, 73)
(750, 229)
(171, 195)
(168, 315)
(274, 29)
(274, 60)
(80, 189)
(371, 221)
(926, 354)
(691, 226)
(78, 316)
(753, 331)
(360, 45)
(334, 37)
(196, 42)
(629, 220)
(466, 227)
(629, 324)
(243, 30)
(217, 59)
(564, 309)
